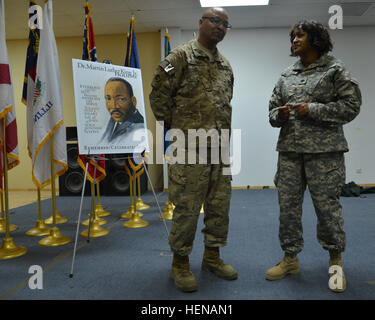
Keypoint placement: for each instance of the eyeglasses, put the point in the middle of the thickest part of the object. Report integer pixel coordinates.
(217, 21)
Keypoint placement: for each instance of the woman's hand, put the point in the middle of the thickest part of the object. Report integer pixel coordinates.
(284, 112)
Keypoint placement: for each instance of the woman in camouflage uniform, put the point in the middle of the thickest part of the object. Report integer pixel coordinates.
(311, 102)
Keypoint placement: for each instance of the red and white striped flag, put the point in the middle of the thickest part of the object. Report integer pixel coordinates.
(7, 106)
(89, 53)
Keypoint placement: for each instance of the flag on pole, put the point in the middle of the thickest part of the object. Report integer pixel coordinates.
(89, 53)
(131, 168)
(30, 70)
(89, 47)
(7, 106)
(31, 59)
(167, 50)
(166, 142)
(131, 60)
(167, 43)
(45, 116)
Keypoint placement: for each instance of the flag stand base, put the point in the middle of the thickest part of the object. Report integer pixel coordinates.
(59, 219)
(100, 221)
(95, 231)
(135, 222)
(131, 210)
(12, 227)
(9, 250)
(168, 214)
(54, 239)
(100, 211)
(141, 205)
(40, 229)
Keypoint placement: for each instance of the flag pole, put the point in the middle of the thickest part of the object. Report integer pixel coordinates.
(55, 238)
(140, 204)
(135, 220)
(98, 220)
(169, 208)
(59, 219)
(8, 248)
(128, 214)
(2, 220)
(40, 229)
(131, 209)
(100, 211)
(94, 230)
(55, 218)
(12, 227)
(53, 187)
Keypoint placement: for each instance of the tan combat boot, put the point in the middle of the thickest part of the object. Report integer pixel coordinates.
(212, 263)
(181, 274)
(289, 265)
(335, 259)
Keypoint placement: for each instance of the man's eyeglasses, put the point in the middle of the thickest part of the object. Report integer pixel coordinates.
(218, 21)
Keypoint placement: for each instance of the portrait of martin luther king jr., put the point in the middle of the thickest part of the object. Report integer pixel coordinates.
(121, 105)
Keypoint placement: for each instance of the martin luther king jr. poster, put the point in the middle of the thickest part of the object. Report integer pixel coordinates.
(110, 109)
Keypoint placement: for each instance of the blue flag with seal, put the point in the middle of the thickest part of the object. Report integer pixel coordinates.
(30, 70)
(31, 58)
(131, 59)
(132, 167)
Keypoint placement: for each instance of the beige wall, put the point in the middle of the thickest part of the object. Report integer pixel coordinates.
(110, 47)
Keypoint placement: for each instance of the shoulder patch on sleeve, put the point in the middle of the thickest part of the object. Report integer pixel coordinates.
(166, 66)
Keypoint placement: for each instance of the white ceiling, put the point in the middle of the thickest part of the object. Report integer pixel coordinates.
(112, 16)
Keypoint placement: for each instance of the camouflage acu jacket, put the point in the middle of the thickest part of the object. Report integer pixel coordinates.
(191, 92)
(333, 98)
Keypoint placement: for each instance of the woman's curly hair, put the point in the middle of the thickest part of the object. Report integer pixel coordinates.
(317, 34)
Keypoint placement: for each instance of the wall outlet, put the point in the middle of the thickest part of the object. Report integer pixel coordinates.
(359, 171)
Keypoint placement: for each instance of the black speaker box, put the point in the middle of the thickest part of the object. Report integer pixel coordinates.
(116, 182)
(71, 134)
(71, 182)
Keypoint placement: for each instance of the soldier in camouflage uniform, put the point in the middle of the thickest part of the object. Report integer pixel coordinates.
(192, 89)
(311, 102)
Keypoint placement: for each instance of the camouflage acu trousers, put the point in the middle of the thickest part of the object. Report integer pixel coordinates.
(190, 186)
(324, 174)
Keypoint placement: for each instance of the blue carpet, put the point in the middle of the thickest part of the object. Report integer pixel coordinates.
(134, 264)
